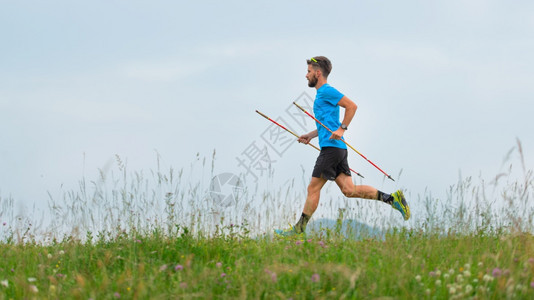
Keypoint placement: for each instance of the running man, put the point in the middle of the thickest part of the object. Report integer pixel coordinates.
(332, 161)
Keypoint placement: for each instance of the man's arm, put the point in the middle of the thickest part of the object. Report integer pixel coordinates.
(350, 110)
(306, 138)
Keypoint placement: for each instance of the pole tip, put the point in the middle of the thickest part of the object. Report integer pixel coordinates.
(389, 176)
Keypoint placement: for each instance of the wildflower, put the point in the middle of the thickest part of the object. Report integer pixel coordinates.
(438, 273)
(5, 283)
(117, 295)
(163, 268)
(223, 275)
(298, 243)
(532, 284)
(52, 289)
(467, 266)
(183, 285)
(273, 277)
(427, 292)
(418, 278)
(59, 275)
(496, 272)
(459, 278)
(480, 264)
(467, 273)
(468, 288)
(531, 260)
(138, 241)
(438, 282)
(4, 224)
(446, 275)
(34, 289)
(487, 278)
(315, 277)
(61, 252)
(49, 256)
(432, 274)
(452, 290)
(321, 243)
(178, 268)
(32, 279)
(310, 240)
(451, 271)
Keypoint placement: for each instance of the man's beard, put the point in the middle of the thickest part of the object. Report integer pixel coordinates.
(312, 82)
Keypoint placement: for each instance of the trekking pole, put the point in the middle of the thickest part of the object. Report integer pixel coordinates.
(315, 147)
(388, 176)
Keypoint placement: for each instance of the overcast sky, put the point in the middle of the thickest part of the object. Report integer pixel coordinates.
(441, 86)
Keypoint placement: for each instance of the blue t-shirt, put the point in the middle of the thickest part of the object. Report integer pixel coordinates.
(326, 110)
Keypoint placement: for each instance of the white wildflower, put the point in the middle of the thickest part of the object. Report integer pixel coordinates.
(468, 288)
(467, 266)
(4, 283)
(34, 289)
(438, 282)
(418, 278)
(32, 279)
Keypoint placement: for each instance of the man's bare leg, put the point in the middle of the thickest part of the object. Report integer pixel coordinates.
(350, 190)
(314, 192)
(396, 200)
(312, 201)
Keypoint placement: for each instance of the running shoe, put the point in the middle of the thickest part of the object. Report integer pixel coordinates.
(287, 232)
(400, 204)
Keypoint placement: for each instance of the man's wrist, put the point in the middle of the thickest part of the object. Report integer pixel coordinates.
(344, 127)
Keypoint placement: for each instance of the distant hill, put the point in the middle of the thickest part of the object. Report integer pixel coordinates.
(352, 229)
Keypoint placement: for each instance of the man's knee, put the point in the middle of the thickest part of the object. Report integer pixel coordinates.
(312, 189)
(315, 186)
(347, 190)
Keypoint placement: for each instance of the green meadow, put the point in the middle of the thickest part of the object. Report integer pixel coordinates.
(157, 236)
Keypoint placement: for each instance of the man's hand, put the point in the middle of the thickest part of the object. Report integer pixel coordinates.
(338, 134)
(305, 138)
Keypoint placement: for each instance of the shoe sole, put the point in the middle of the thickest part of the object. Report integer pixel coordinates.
(402, 207)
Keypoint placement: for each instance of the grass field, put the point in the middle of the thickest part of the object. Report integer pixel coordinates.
(120, 239)
(403, 265)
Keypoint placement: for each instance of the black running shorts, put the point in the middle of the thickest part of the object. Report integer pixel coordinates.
(330, 163)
